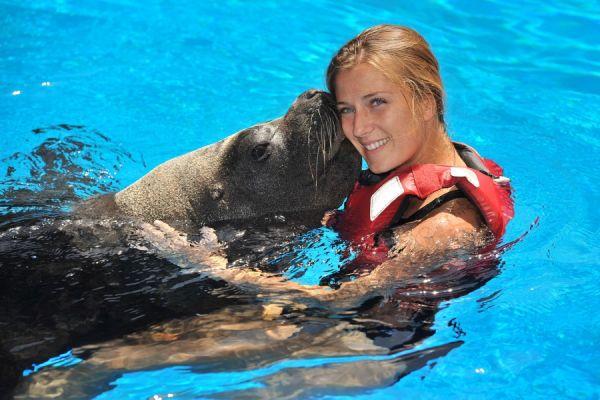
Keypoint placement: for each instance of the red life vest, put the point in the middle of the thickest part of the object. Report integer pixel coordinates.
(371, 209)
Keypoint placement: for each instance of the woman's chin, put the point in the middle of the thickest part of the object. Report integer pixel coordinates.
(388, 164)
(378, 169)
(380, 165)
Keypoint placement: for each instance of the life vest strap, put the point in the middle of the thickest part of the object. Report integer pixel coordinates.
(427, 209)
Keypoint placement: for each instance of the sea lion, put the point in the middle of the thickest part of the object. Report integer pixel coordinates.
(296, 163)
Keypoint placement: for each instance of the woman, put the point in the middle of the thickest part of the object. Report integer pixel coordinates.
(422, 196)
(389, 96)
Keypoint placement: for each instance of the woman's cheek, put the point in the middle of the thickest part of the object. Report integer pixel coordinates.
(347, 127)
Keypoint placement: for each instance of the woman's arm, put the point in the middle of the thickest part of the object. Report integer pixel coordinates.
(420, 247)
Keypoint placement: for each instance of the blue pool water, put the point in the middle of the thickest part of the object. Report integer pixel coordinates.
(161, 78)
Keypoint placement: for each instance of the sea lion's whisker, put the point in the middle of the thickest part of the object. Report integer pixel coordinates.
(330, 132)
(327, 127)
(317, 162)
(312, 175)
(322, 133)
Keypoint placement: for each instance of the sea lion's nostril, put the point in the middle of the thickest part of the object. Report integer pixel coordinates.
(311, 93)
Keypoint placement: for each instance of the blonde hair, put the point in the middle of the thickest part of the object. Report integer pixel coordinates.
(402, 55)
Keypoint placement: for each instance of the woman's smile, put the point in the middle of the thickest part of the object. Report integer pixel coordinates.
(372, 146)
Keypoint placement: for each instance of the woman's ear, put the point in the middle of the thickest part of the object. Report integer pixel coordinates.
(428, 107)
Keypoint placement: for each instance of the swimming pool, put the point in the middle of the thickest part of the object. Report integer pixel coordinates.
(162, 78)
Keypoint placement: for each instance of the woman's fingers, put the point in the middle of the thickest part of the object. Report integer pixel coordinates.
(329, 218)
(166, 228)
(175, 238)
(163, 236)
(151, 233)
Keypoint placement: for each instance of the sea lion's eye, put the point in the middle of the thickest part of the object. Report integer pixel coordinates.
(260, 152)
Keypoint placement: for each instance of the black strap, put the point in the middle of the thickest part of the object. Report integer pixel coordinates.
(446, 197)
(368, 178)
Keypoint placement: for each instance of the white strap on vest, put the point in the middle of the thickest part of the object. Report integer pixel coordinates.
(460, 172)
(384, 196)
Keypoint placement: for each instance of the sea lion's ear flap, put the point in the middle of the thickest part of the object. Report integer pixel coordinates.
(216, 191)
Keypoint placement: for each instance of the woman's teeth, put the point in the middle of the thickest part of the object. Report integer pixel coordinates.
(377, 144)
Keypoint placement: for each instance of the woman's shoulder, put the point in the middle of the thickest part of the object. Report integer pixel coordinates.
(453, 225)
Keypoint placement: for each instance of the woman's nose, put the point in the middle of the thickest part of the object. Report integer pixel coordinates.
(362, 124)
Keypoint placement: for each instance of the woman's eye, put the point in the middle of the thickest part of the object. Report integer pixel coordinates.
(377, 101)
(344, 110)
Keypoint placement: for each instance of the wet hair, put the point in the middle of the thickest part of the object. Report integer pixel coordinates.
(402, 55)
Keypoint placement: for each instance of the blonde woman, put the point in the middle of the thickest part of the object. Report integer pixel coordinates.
(390, 100)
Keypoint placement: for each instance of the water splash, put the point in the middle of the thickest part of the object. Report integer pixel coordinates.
(66, 163)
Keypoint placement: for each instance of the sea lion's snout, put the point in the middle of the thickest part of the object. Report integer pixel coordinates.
(314, 117)
(313, 98)
(310, 93)
(314, 93)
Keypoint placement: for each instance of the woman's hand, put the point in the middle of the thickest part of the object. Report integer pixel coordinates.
(204, 256)
(205, 253)
(417, 251)
(329, 218)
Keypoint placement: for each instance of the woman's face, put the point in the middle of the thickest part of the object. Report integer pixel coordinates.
(377, 119)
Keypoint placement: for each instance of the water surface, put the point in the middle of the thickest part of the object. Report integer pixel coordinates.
(160, 78)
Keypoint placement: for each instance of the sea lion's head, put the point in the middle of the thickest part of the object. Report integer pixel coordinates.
(294, 164)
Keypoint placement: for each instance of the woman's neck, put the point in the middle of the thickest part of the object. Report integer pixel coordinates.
(437, 149)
